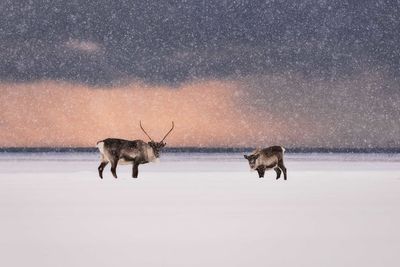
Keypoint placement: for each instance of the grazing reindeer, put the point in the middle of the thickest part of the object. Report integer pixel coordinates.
(267, 158)
(134, 152)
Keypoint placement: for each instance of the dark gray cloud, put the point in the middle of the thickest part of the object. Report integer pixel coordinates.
(169, 42)
(358, 111)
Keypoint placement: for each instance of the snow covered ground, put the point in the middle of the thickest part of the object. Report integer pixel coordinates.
(200, 210)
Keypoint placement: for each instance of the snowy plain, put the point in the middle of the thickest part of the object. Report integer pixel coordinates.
(197, 209)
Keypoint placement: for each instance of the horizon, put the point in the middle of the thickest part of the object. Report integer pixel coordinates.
(294, 150)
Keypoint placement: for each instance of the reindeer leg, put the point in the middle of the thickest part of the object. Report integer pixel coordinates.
(261, 172)
(283, 168)
(135, 170)
(114, 164)
(278, 172)
(101, 168)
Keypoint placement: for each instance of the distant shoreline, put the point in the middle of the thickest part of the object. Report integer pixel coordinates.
(394, 150)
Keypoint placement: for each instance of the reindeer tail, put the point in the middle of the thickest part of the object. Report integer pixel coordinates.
(100, 146)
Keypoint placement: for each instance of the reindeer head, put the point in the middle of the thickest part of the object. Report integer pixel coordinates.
(157, 146)
(252, 160)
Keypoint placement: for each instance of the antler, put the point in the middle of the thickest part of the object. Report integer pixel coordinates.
(168, 132)
(140, 122)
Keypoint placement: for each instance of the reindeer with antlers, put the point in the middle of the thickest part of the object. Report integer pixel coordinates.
(134, 152)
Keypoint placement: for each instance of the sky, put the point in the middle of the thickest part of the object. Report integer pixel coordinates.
(228, 73)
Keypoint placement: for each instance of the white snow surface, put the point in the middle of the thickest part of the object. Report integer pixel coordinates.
(199, 210)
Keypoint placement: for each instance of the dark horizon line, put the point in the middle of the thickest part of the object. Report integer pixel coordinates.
(207, 149)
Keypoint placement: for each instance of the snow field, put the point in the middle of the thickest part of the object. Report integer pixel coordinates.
(201, 210)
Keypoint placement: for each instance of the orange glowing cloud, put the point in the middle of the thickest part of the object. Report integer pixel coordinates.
(61, 114)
